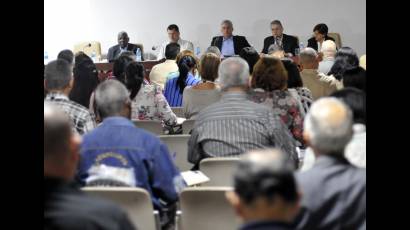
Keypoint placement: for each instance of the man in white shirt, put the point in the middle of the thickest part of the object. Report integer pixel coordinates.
(160, 72)
(173, 35)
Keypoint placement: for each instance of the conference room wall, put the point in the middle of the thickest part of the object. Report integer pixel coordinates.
(67, 22)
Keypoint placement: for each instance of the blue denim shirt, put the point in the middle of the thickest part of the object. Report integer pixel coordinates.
(118, 151)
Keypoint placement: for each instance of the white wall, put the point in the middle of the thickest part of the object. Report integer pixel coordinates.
(69, 21)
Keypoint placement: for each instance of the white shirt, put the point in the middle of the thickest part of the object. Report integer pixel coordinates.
(185, 45)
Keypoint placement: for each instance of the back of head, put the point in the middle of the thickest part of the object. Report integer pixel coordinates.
(58, 74)
(329, 49)
(328, 126)
(120, 64)
(346, 58)
(67, 55)
(208, 68)
(172, 50)
(134, 76)
(111, 97)
(274, 48)
(308, 56)
(233, 72)
(185, 65)
(269, 74)
(184, 53)
(294, 78)
(355, 77)
(356, 100)
(265, 174)
(251, 56)
(213, 49)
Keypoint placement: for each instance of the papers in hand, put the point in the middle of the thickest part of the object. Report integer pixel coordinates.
(194, 177)
(180, 120)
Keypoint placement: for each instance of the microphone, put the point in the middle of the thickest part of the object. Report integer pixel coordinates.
(155, 47)
(88, 45)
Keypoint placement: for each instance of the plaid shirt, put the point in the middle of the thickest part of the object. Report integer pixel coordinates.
(83, 120)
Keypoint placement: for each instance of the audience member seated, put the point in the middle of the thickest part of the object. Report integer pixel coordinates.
(296, 88)
(362, 61)
(197, 97)
(174, 87)
(58, 81)
(213, 49)
(319, 84)
(67, 55)
(228, 44)
(334, 191)
(173, 35)
(117, 153)
(251, 56)
(329, 52)
(319, 36)
(346, 58)
(65, 206)
(123, 45)
(160, 72)
(355, 151)
(85, 80)
(269, 83)
(355, 77)
(148, 102)
(275, 50)
(265, 194)
(235, 125)
(286, 42)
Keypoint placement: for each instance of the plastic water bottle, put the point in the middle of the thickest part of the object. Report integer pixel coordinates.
(198, 51)
(45, 57)
(301, 46)
(93, 56)
(138, 54)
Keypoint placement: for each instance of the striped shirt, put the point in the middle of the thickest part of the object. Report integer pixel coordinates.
(171, 92)
(235, 125)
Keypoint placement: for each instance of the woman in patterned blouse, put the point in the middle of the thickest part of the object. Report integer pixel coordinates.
(269, 83)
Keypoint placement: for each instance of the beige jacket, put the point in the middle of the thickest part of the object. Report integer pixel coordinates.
(160, 72)
(319, 84)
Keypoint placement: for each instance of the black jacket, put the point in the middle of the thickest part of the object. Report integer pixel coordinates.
(312, 43)
(289, 43)
(239, 42)
(114, 51)
(66, 207)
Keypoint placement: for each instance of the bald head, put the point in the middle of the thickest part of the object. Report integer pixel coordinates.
(328, 126)
(308, 58)
(329, 49)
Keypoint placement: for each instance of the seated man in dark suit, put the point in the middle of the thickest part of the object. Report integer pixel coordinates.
(123, 45)
(319, 36)
(334, 191)
(65, 206)
(228, 44)
(287, 42)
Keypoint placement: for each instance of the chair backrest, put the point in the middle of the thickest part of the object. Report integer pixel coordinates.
(88, 48)
(338, 39)
(154, 127)
(178, 148)
(187, 126)
(135, 201)
(205, 208)
(178, 111)
(219, 170)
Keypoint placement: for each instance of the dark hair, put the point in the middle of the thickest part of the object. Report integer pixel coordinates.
(186, 63)
(172, 50)
(355, 77)
(321, 28)
(269, 74)
(345, 58)
(173, 27)
(134, 76)
(251, 56)
(277, 22)
(85, 80)
(253, 180)
(67, 55)
(119, 67)
(356, 100)
(294, 78)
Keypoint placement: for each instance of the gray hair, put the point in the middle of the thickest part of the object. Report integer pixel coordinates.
(329, 125)
(276, 22)
(214, 50)
(308, 55)
(329, 48)
(58, 74)
(274, 48)
(110, 98)
(233, 71)
(227, 22)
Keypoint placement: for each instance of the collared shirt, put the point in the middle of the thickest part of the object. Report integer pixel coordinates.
(326, 64)
(227, 47)
(83, 120)
(278, 41)
(118, 153)
(172, 92)
(185, 45)
(235, 125)
(267, 225)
